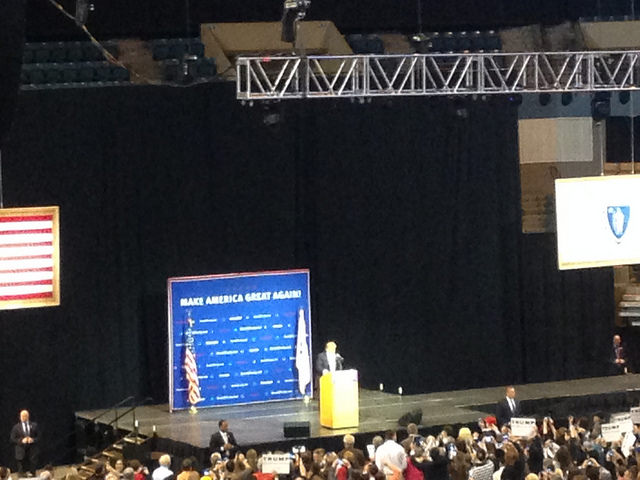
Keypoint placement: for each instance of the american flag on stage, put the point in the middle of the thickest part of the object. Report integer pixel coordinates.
(29, 257)
(190, 364)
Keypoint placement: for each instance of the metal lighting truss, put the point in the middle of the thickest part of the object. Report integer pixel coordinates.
(361, 76)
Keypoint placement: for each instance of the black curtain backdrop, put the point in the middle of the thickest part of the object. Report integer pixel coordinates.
(406, 211)
(12, 26)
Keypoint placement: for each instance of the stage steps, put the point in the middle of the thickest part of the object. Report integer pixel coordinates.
(629, 306)
(113, 452)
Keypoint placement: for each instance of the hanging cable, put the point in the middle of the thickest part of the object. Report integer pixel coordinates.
(113, 60)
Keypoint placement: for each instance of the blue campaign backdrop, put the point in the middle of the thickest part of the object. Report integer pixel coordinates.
(243, 328)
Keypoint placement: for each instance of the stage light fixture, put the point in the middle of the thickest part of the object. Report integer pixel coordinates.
(624, 97)
(544, 99)
(566, 98)
(294, 11)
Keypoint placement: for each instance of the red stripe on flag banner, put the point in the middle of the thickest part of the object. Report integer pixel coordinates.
(25, 232)
(34, 282)
(26, 257)
(27, 218)
(26, 296)
(32, 244)
(27, 270)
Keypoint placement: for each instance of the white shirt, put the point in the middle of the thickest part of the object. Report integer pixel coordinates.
(512, 404)
(161, 473)
(225, 438)
(391, 452)
(331, 358)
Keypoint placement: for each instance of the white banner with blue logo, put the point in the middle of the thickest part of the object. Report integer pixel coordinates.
(250, 335)
(598, 221)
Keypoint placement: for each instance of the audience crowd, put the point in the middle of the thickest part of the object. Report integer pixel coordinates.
(576, 450)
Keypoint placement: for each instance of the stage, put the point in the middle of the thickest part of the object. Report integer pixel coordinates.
(262, 423)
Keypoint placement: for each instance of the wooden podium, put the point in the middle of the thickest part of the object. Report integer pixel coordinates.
(339, 399)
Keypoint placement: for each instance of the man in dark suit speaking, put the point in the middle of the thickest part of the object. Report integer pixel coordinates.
(24, 436)
(223, 441)
(508, 407)
(329, 360)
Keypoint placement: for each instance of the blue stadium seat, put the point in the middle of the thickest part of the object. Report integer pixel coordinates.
(206, 68)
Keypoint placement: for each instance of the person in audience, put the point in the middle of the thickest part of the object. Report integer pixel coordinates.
(376, 442)
(117, 468)
(99, 472)
(482, 468)
(371, 472)
(412, 432)
(341, 467)
(252, 459)
(128, 474)
(140, 471)
(187, 471)
(412, 472)
(349, 446)
(514, 464)
(163, 472)
(436, 465)
(461, 462)
(390, 454)
(318, 456)
(228, 473)
(4, 473)
(498, 464)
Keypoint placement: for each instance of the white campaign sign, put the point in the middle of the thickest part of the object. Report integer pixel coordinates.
(276, 463)
(627, 443)
(522, 427)
(611, 432)
(598, 221)
(624, 420)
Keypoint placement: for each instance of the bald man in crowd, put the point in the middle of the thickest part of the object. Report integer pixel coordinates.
(24, 436)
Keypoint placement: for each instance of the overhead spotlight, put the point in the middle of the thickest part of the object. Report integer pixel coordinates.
(624, 97)
(601, 106)
(544, 99)
(294, 11)
(515, 99)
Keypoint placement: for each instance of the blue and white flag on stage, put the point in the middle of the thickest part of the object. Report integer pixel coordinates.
(303, 358)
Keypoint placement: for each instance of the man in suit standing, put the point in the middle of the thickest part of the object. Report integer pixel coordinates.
(508, 407)
(329, 360)
(223, 441)
(24, 436)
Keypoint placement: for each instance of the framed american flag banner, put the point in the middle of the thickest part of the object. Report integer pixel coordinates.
(29, 257)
